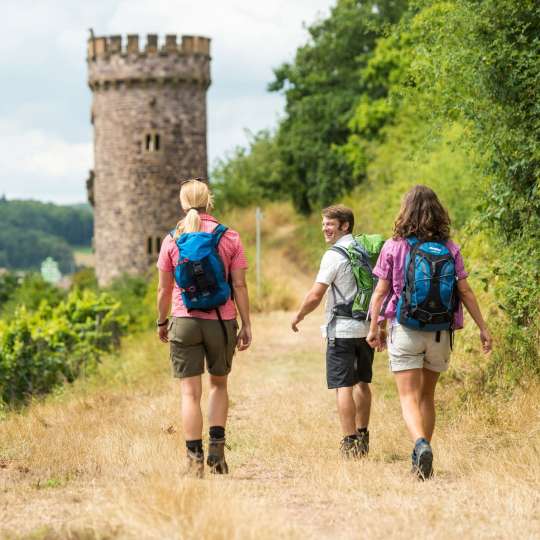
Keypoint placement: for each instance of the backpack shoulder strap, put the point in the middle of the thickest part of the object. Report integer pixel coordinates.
(218, 233)
(340, 249)
(412, 240)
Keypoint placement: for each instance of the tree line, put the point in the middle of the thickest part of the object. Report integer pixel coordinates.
(388, 93)
(32, 231)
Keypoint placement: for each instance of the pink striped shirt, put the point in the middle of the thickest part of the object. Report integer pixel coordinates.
(232, 254)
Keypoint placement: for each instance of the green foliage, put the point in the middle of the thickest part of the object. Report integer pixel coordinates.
(249, 176)
(136, 300)
(85, 278)
(26, 249)
(32, 231)
(135, 295)
(74, 224)
(43, 348)
(29, 291)
(321, 87)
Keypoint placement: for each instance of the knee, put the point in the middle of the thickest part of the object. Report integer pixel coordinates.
(363, 390)
(218, 383)
(192, 394)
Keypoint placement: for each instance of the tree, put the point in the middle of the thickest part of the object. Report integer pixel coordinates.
(321, 88)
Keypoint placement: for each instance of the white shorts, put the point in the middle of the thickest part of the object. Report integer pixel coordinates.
(414, 349)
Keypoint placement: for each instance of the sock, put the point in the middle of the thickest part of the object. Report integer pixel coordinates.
(362, 430)
(195, 446)
(350, 438)
(217, 432)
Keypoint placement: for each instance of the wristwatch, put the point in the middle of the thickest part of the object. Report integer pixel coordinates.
(163, 323)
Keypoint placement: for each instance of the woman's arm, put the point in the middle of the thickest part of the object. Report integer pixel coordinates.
(377, 299)
(164, 299)
(241, 299)
(468, 298)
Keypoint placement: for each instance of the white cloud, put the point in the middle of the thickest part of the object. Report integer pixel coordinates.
(36, 165)
(46, 139)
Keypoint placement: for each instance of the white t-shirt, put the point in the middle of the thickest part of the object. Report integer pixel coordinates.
(336, 269)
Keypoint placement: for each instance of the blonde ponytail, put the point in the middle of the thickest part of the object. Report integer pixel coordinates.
(195, 196)
(192, 221)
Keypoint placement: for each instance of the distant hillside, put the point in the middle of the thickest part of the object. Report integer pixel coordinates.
(33, 230)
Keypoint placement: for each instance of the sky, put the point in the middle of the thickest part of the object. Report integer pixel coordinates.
(45, 131)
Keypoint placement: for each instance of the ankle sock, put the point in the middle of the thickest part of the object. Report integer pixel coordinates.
(350, 438)
(195, 446)
(362, 430)
(217, 432)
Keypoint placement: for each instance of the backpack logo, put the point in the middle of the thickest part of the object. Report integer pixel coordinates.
(200, 274)
(429, 297)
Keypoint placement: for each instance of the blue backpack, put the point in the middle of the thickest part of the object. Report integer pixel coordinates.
(429, 298)
(200, 274)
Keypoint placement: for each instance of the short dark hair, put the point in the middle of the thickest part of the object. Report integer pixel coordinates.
(340, 212)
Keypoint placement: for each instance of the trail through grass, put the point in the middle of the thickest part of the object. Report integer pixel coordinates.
(105, 459)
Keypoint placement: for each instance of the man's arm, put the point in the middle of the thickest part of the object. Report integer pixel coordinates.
(241, 299)
(164, 299)
(311, 301)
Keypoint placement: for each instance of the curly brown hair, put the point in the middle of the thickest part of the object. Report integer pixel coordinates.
(422, 215)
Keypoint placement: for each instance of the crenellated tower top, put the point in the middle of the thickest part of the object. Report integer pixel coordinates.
(114, 60)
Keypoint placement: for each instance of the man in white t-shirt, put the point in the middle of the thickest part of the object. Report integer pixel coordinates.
(349, 358)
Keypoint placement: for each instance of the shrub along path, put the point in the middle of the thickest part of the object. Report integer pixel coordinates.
(105, 458)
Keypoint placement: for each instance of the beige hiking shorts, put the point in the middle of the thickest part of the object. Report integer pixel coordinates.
(192, 341)
(413, 349)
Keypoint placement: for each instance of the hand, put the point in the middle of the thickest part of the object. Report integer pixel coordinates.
(163, 333)
(485, 338)
(243, 340)
(373, 338)
(382, 338)
(296, 321)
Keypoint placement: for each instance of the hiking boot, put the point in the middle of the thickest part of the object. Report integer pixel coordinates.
(422, 459)
(363, 443)
(195, 464)
(351, 448)
(216, 456)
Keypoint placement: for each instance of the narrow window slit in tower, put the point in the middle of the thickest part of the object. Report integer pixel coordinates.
(156, 142)
(158, 244)
(149, 143)
(149, 246)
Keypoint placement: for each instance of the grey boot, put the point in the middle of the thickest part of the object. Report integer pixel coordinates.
(216, 456)
(195, 464)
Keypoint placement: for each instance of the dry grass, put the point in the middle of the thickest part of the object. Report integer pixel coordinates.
(105, 458)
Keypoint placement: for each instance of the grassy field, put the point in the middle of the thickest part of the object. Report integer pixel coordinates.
(84, 256)
(104, 459)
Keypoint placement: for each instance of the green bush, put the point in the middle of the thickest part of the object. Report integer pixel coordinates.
(29, 291)
(41, 349)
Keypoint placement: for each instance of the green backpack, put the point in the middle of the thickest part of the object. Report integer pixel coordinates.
(362, 255)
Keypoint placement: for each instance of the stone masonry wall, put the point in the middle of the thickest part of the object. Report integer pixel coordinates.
(149, 116)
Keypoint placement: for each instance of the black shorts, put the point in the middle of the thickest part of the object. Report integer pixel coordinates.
(348, 362)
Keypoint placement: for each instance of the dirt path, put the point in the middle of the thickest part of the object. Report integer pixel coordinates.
(107, 461)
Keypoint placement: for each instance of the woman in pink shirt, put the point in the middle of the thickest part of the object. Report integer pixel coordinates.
(418, 356)
(197, 336)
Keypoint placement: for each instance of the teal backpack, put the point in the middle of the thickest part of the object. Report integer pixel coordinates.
(362, 255)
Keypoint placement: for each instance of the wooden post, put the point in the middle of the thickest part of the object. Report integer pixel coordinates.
(258, 219)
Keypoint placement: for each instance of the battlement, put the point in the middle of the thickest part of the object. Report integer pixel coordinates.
(105, 46)
(113, 60)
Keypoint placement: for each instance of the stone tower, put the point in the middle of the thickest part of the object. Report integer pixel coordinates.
(149, 118)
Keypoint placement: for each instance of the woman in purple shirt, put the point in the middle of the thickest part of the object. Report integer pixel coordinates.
(418, 357)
